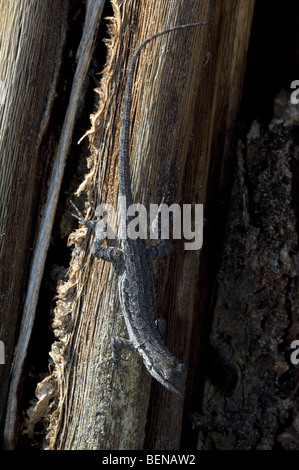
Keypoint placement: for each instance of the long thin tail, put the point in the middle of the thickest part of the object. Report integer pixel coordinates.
(124, 152)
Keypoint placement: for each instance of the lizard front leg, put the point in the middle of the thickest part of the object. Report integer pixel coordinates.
(117, 344)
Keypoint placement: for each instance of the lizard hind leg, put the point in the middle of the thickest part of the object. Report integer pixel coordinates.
(98, 225)
(163, 248)
(80, 217)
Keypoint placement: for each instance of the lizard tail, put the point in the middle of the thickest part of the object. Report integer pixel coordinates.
(124, 148)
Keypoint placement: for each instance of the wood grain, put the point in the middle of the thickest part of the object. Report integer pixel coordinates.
(186, 95)
(32, 35)
(42, 236)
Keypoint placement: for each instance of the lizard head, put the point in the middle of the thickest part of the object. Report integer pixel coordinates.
(170, 372)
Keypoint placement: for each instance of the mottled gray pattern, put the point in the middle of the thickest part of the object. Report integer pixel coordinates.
(136, 287)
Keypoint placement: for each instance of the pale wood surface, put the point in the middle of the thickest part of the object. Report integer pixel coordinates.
(187, 90)
(48, 205)
(31, 41)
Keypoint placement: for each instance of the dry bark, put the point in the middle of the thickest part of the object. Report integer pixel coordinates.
(185, 85)
(250, 398)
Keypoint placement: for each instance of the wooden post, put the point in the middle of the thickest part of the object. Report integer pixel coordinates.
(186, 95)
(31, 23)
(32, 36)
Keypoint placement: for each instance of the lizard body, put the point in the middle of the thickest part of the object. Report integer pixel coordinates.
(135, 284)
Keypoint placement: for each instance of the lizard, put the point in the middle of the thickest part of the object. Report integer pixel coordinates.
(135, 283)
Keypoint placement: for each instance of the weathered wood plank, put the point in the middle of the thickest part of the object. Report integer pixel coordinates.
(189, 288)
(186, 95)
(32, 35)
(41, 27)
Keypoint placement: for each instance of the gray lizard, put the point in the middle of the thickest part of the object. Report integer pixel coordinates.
(135, 284)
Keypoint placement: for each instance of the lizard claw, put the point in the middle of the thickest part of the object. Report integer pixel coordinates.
(79, 216)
